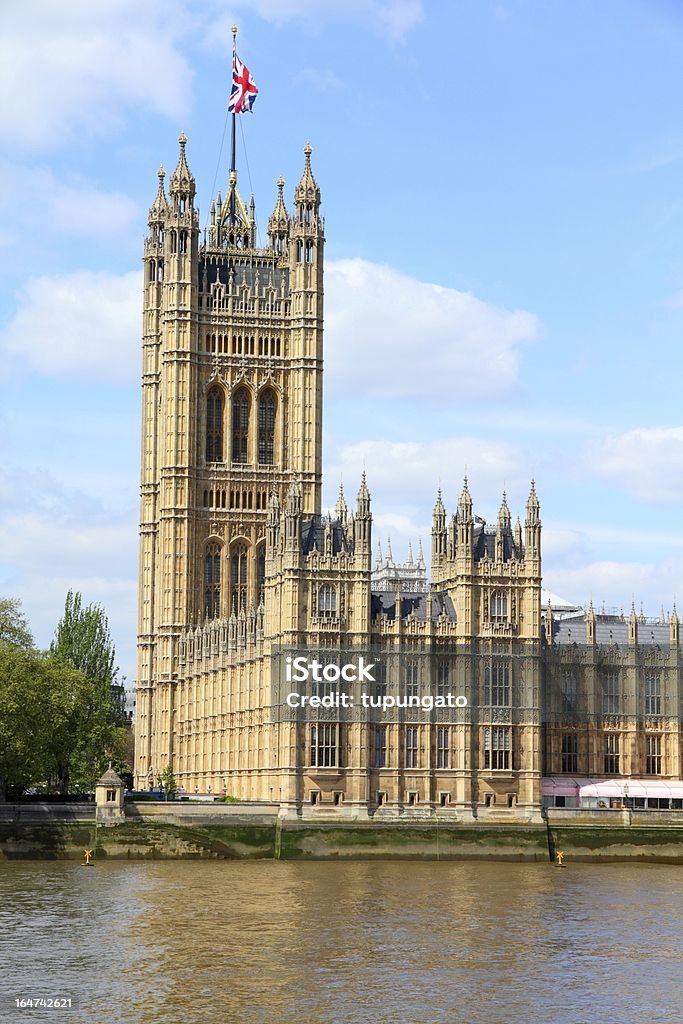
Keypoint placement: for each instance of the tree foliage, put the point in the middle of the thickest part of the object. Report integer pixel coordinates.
(14, 628)
(61, 717)
(83, 639)
(167, 781)
(41, 711)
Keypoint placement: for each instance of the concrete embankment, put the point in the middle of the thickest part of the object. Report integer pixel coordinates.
(159, 831)
(616, 835)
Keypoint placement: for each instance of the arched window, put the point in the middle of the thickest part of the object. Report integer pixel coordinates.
(260, 575)
(240, 425)
(499, 607)
(327, 601)
(214, 425)
(238, 577)
(266, 428)
(212, 582)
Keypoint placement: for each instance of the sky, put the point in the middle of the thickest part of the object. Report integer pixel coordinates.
(502, 185)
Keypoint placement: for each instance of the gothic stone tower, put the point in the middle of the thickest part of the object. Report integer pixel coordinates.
(492, 578)
(231, 415)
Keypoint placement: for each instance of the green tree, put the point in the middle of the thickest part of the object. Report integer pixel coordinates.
(82, 638)
(14, 628)
(83, 641)
(167, 781)
(41, 709)
(23, 724)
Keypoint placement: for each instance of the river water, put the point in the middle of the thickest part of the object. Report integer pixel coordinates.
(268, 942)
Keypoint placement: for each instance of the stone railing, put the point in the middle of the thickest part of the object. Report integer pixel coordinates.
(47, 812)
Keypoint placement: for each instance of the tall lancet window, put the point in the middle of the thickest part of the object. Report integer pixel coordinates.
(214, 425)
(266, 428)
(238, 578)
(212, 582)
(499, 607)
(327, 601)
(260, 574)
(240, 425)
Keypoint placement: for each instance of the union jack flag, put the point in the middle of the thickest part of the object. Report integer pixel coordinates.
(244, 88)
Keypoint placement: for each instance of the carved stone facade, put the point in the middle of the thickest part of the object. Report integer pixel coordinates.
(613, 695)
(236, 561)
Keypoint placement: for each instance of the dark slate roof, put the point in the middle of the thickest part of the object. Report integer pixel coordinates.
(485, 545)
(313, 536)
(385, 601)
(610, 630)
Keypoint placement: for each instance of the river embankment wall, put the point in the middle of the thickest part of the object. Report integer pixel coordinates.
(256, 831)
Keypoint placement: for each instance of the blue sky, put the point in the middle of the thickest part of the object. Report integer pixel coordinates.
(503, 191)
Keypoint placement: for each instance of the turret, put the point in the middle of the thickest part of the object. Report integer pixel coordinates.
(633, 626)
(452, 538)
(292, 517)
(549, 621)
(159, 210)
(341, 510)
(307, 193)
(518, 538)
(674, 628)
(533, 525)
(503, 528)
(273, 523)
(252, 222)
(363, 519)
(306, 228)
(278, 222)
(590, 625)
(438, 531)
(465, 522)
(154, 243)
(182, 186)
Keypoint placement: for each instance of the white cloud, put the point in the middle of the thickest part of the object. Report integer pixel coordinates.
(77, 65)
(43, 556)
(91, 213)
(377, 318)
(410, 472)
(561, 540)
(68, 545)
(66, 207)
(80, 324)
(401, 531)
(392, 18)
(646, 462)
(616, 584)
(379, 321)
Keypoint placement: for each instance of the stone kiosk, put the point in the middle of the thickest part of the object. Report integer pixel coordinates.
(109, 798)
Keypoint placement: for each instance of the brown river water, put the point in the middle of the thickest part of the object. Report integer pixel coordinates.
(268, 942)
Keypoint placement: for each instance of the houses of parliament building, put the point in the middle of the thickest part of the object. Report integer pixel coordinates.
(238, 563)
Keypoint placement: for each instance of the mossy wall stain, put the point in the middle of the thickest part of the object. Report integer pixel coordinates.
(664, 845)
(413, 843)
(151, 840)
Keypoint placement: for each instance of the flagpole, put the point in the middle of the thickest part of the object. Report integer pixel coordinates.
(232, 136)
